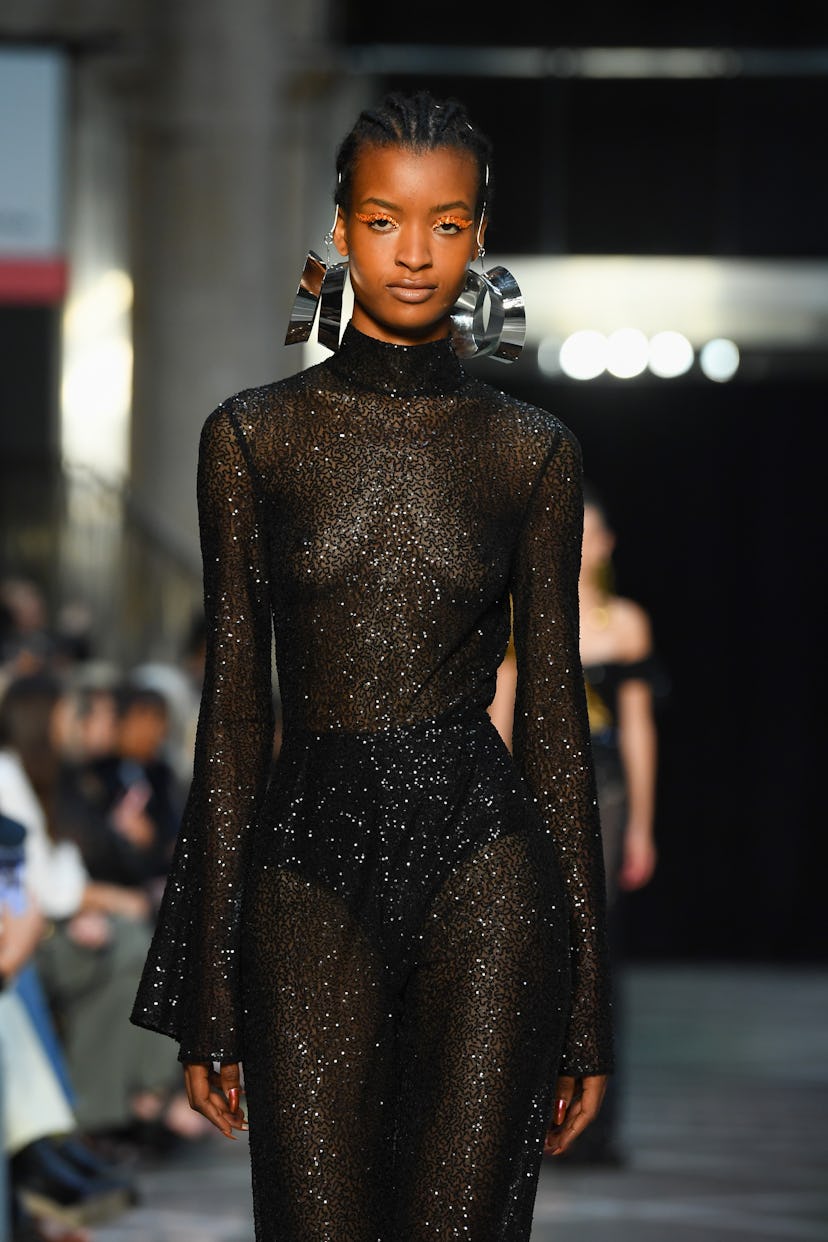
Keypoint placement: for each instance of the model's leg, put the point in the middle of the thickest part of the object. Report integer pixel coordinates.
(318, 1065)
(484, 1018)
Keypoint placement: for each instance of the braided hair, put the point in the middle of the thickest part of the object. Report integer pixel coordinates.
(420, 123)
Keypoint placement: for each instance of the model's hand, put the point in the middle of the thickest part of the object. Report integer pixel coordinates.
(577, 1101)
(91, 929)
(130, 819)
(127, 901)
(216, 1095)
(639, 861)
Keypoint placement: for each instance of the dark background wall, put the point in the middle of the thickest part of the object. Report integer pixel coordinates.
(716, 495)
(659, 166)
(715, 491)
(601, 23)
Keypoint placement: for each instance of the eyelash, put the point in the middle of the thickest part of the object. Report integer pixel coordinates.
(379, 217)
(460, 222)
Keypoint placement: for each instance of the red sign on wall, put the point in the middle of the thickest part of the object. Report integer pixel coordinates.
(32, 150)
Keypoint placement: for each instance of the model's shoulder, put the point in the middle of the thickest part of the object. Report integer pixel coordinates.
(534, 424)
(251, 408)
(633, 627)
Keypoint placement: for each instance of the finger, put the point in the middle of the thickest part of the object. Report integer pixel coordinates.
(230, 1079)
(236, 1112)
(230, 1083)
(581, 1112)
(230, 1076)
(193, 1074)
(559, 1140)
(564, 1094)
(215, 1108)
(205, 1099)
(584, 1110)
(565, 1088)
(218, 1115)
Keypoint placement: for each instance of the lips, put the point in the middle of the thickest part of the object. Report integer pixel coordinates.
(406, 291)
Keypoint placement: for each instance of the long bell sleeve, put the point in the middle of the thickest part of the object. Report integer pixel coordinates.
(190, 984)
(550, 740)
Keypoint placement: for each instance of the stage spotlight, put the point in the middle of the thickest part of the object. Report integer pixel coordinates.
(583, 355)
(719, 359)
(670, 354)
(627, 352)
(549, 355)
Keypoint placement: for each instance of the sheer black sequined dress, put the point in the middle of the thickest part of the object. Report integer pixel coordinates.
(398, 926)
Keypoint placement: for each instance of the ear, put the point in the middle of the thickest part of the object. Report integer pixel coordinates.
(340, 232)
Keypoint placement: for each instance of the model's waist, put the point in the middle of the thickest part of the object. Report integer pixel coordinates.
(459, 715)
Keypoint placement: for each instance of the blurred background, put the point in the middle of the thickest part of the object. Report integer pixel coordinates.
(662, 197)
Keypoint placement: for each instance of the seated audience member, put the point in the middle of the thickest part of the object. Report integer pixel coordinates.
(98, 932)
(50, 1180)
(109, 824)
(134, 786)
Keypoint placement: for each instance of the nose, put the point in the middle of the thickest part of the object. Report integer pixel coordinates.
(414, 247)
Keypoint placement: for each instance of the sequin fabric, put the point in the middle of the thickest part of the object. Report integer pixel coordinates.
(398, 925)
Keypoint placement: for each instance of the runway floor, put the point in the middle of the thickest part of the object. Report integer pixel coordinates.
(724, 1122)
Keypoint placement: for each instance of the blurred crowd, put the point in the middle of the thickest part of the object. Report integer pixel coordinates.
(94, 771)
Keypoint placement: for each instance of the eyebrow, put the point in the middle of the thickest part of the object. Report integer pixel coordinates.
(460, 204)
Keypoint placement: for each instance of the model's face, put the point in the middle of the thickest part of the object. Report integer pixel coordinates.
(410, 234)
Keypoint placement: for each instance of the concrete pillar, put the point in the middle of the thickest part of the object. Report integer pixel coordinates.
(225, 150)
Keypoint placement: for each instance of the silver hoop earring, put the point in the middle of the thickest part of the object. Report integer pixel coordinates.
(503, 335)
(513, 333)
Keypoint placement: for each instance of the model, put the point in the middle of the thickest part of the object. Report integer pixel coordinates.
(397, 926)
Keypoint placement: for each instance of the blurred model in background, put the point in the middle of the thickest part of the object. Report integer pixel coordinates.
(621, 673)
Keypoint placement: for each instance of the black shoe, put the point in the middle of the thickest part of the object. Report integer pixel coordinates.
(48, 1186)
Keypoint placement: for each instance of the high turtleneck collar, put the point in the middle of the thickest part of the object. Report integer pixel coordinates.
(365, 362)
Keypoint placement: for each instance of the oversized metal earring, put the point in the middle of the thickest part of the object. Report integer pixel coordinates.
(502, 334)
(321, 282)
(306, 301)
(330, 310)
